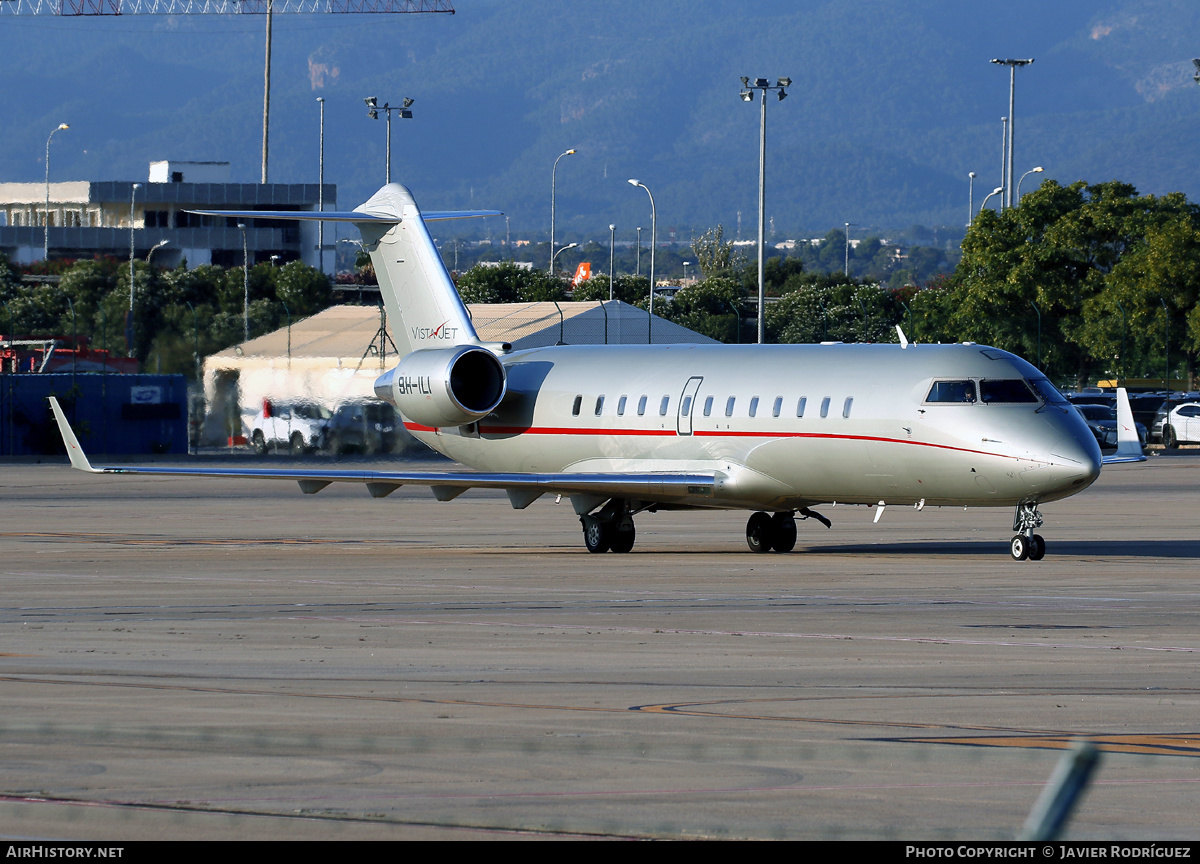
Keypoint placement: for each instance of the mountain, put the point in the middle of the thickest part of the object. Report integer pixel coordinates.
(891, 105)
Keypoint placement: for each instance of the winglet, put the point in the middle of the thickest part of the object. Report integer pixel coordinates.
(1129, 448)
(78, 459)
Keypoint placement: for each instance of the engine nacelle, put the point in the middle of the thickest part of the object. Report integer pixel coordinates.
(445, 386)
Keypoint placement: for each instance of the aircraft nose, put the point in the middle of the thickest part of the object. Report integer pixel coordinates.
(1075, 460)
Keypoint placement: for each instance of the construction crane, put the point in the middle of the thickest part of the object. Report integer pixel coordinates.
(79, 8)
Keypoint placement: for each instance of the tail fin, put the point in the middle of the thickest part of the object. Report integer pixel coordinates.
(1129, 447)
(420, 298)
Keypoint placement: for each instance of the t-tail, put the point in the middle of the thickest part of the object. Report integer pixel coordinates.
(446, 376)
(418, 293)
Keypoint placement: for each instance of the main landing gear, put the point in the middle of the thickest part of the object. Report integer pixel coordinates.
(610, 528)
(766, 532)
(1025, 544)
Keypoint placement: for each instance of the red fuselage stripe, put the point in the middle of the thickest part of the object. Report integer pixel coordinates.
(671, 433)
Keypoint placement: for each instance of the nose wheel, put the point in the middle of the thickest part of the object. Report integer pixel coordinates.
(1026, 545)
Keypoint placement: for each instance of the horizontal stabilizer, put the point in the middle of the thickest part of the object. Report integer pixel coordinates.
(351, 216)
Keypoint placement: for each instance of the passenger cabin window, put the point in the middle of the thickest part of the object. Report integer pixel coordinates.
(754, 406)
(800, 406)
(952, 391)
(641, 406)
(729, 406)
(599, 405)
(686, 408)
(846, 406)
(1005, 390)
(708, 406)
(621, 406)
(578, 404)
(662, 406)
(825, 407)
(777, 407)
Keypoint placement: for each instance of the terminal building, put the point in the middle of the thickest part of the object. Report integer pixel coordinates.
(86, 219)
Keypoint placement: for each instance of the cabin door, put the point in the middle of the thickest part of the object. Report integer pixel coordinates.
(687, 406)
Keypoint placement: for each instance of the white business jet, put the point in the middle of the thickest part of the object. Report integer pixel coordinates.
(620, 430)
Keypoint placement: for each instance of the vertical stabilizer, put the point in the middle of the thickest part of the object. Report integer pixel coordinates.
(423, 306)
(1129, 446)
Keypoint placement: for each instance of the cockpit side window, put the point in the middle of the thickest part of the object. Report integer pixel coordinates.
(1009, 390)
(952, 391)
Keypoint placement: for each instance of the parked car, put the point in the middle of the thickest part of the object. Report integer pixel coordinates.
(362, 427)
(1158, 424)
(298, 426)
(1102, 420)
(1182, 425)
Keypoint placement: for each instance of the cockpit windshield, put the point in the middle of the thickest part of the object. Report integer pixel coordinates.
(1005, 390)
(1048, 391)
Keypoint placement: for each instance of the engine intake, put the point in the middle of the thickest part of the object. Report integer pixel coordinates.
(445, 386)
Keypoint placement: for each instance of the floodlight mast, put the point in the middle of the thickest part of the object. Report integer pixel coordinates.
(1012, 84)
(762, 85)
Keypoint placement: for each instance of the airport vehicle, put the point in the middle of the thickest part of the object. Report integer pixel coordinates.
(299, 427)
(362, 427)
(1182, 425)
(624, 430)
(1102, 420)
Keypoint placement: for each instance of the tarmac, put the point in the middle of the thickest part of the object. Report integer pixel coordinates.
(216, 659)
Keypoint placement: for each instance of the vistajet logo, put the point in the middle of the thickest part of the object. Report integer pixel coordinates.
(421, 334)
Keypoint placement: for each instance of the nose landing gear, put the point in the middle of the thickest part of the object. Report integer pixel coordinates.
(1025, 544)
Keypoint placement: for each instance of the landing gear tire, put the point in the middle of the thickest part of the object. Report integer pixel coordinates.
(596, 535)
(783, 529)
(759, 534)
(1170, 439)
(622, 538)
(1037, 548)
(258, 442)
(1019, 546)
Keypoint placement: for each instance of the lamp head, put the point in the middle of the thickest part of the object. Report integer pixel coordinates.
(62, 126)
(635, 183)
(1038, 170)
(370, 100)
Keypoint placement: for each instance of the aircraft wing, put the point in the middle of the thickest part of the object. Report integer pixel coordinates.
(522, 489)
(1129, 448)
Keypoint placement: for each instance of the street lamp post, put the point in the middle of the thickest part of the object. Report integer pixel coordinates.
(132, 273)
(612, 253)
(245, 284)
(995, 191)
(373, 109)
(1003, 156)
(1037, 170)
(321, 187)
(155, 248)
(685, 266)
(970, 198)
(653, 243)
(847, 270)
(553, 177)
(562, 250)
(638, 271)
(1012, 65)
(762, 85)
(46, 229)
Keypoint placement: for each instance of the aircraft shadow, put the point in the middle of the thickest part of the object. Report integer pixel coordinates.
(1074, 548)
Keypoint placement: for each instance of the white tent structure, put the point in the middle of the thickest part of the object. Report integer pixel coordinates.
(335, 356)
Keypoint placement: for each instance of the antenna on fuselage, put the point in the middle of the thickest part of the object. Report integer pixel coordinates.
(903, 338)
